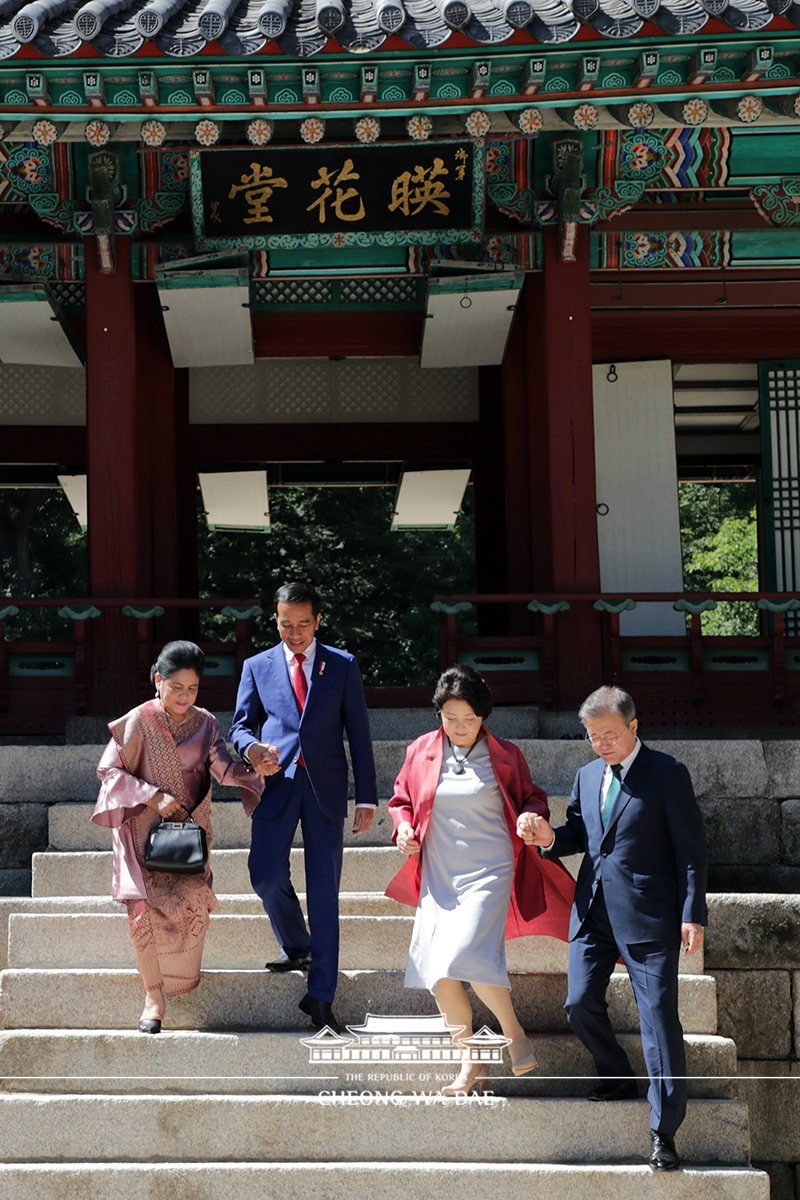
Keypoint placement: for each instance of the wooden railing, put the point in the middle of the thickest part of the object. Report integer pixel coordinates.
(143, 611)
(694, 661)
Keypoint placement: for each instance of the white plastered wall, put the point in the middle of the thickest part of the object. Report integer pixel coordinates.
(637, 481)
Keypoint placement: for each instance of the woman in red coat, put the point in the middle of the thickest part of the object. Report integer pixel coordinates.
(457, 804)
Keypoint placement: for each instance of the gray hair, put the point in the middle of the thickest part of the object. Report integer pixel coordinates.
(605, 701)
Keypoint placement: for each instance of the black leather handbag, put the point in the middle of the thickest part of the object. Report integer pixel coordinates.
(177, 847)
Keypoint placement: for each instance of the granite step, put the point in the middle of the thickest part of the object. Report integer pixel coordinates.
(88, 873)
(70, 826)
(391, 1129)
(91, 1061)
(363, 1181)
(112, 999)
(246, 942)
(351, 904)
(255, 943)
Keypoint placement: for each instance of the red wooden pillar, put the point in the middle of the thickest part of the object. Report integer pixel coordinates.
(113, 452)
(564, 551)
(158, 458)
(520, 476)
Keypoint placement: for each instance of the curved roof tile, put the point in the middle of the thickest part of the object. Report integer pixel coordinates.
(301, 28)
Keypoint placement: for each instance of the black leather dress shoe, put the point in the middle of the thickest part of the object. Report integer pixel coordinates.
(288, 964)
(620, 1089)
(320, 1012)
(149, 1027)
(663, 1155)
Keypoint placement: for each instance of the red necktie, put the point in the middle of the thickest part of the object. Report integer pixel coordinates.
(300, 687)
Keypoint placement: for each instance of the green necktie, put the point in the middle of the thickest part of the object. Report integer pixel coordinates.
(614, 789)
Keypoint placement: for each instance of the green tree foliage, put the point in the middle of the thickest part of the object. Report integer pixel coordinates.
(719, 535)
(42, 553)
(376, 585)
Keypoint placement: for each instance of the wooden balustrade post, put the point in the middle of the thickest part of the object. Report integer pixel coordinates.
(778, 659)
(698, 685)
(549, 659)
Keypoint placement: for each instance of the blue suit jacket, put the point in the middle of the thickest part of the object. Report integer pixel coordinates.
(651, 857)
(266, 711)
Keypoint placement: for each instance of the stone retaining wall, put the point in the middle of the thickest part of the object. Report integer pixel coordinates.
(753, 952)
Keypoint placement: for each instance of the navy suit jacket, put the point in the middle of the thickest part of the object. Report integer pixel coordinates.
(651, 857)
(267, 711)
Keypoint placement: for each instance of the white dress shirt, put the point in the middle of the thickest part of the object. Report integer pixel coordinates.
(608, 775)
(310, 653)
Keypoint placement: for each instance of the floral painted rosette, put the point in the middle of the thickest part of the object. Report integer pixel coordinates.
(153, 133)
(478, 124)
(312, 130)
(585, 117)
(260, 131)
(694, 111)
(97, 133)
(530, 122)
(368, 129)
(419, 128)
(338, 240)
(44, 133)
(641, 115)
(749, 109)
(206, 132)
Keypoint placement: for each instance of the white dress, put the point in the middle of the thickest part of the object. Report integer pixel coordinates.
(467, 872)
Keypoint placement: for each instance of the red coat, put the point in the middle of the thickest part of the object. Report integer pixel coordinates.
(543, 890)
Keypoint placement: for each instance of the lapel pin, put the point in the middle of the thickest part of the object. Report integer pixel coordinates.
(322, 666)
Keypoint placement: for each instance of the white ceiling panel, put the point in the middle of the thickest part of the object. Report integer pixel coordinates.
(430, 499)
(31, 329)
(207, 315)
(468, 321)
(235, 499)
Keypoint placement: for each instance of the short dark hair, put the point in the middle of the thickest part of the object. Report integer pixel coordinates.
(178, 656)
(464, 683)
(298, 592)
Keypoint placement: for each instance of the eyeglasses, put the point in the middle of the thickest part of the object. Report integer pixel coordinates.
(603, 739)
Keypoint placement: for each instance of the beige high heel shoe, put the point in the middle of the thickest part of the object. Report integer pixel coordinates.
(472, 1075)
(524, 1061)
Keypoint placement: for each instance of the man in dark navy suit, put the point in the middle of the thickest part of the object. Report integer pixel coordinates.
(294, 706)
(640, 895)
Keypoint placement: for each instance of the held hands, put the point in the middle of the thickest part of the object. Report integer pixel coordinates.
(166, 805)
(534, 830)
(691, 937)
(363, 819)
(263, 758)
(405, 838)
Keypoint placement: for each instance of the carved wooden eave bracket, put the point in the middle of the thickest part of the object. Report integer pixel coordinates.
(570, 208)
(779, 203)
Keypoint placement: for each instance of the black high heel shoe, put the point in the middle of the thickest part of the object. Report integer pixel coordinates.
(149, 1027)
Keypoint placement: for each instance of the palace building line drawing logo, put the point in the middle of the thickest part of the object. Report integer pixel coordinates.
(403, 1039)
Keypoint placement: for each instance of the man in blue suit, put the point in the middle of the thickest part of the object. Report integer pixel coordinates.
(295, 703)
(640, 895)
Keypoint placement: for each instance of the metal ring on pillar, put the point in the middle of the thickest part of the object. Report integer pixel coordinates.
(330, 16)
(391, 15)
(272, 17)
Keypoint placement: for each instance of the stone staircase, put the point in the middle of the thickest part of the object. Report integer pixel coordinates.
(227, 1103)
